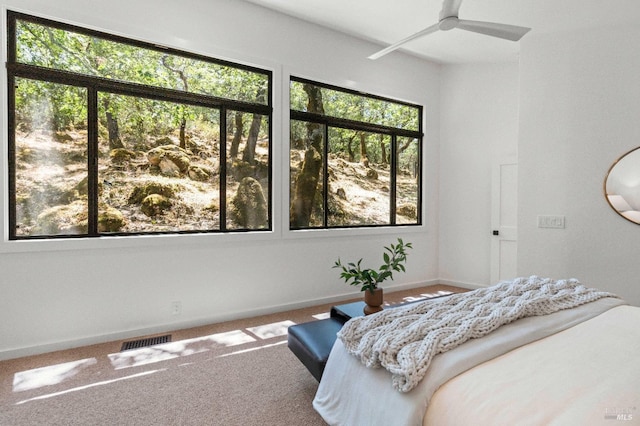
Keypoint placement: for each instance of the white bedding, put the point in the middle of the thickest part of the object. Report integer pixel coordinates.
(586, 375)
(405, 340)
(350, 394)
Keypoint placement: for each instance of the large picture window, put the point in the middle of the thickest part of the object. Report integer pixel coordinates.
(355, 159)
(111, 136)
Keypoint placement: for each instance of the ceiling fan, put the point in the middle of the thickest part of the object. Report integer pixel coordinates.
(449, 20)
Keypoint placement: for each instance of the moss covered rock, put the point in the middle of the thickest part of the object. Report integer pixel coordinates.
(121, 155)
(155, 204)
(199, 173)
(142, 191)
(249, 207)
(408, 210)
(110, 220)
(170, 159)
(68, 219)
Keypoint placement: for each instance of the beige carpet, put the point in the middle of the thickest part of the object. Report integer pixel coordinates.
(234, 373)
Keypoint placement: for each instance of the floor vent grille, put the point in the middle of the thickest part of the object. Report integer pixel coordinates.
(141, 343)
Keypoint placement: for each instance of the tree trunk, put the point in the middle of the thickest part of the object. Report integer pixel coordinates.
(363, 150)
(352, 155)
(114, 133)
(403, 147)
(307, 181)
(183, 139)
(185, 86)
(249, 152)
(383, 150)
(237, 135)
(305, 189)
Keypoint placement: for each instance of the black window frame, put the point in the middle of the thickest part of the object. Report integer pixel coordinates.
(95, 85)
(330, 121)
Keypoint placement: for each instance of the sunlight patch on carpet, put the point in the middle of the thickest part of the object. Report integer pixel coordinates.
(180, 348)
(275, 329)
(79, 388)
(49, 375)
(252, 349)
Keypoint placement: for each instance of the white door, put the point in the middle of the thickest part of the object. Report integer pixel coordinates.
(504, 221)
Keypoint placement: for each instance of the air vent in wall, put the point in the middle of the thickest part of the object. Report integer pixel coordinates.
(141, 343)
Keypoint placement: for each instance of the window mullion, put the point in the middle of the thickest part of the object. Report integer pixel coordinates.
(352, 124)
(393, 179)
(223, 169)
(92, 161)
(325, 178)
(11, 81)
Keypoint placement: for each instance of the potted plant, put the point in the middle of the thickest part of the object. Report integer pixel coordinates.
(394, 257)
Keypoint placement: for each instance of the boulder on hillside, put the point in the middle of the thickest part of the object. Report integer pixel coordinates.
(199, 173)
(155, 204)
(63, 219)
(407, 210)
(249, 207)
(170, 159)
(140, 192)
(121, 155)
(110, 220)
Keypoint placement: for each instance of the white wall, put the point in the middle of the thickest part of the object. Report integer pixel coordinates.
(579, 111)
(572, 104)
(65, 293)
(479, 110)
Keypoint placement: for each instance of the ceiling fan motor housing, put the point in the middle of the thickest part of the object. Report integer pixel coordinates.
(448, 23)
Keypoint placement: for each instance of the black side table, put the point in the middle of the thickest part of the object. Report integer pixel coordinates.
(347, 311)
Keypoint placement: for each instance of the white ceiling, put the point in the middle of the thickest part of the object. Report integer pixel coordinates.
(384, 22)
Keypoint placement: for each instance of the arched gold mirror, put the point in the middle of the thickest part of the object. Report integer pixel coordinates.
(622, 186)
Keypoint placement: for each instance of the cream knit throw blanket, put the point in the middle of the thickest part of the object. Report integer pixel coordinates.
(405, 339)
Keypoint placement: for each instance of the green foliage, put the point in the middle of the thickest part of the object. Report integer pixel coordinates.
(394, 257)
(53, 134)
(357, 107)
(50, 106)
(86, 54)
(370, 153)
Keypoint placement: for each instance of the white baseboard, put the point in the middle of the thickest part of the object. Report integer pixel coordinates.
(463, 284)
(164, 328)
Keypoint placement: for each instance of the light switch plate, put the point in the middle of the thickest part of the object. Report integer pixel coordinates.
(556, 222)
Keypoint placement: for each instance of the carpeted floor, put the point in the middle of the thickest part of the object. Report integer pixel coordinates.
(233, 373)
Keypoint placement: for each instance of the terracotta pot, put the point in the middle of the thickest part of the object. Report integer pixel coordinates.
(373, 301)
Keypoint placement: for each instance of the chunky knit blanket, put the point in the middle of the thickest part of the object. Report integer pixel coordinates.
(404, 340)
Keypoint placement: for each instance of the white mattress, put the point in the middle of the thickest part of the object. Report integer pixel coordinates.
(576, 376)
(586, 375)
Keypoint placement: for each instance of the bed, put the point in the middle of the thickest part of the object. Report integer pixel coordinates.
(576, 366)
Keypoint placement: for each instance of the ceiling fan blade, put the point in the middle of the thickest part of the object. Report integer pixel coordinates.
(450, 8)
(395, 46)
(504, 31)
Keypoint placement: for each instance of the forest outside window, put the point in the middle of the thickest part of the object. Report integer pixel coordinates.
(111, 136)
(355, 159)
